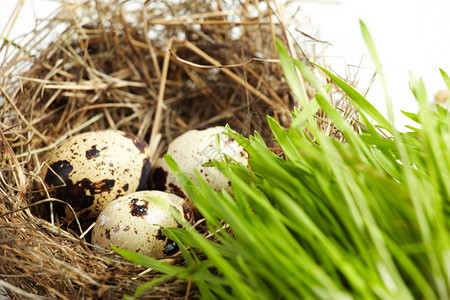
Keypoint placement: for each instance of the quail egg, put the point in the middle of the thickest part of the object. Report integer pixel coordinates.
(91, 169)
(190, 150)
(135, 222)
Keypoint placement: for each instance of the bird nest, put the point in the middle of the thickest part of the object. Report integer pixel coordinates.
(155, 69)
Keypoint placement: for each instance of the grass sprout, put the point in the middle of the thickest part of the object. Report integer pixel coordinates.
(364, 219)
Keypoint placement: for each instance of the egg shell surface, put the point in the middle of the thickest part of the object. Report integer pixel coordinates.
(135, 222)
(190, 150)
(91, 169)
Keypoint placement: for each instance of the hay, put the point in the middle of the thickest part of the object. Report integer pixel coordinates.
(92, 66)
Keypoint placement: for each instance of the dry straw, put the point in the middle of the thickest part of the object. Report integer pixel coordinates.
(106, 64)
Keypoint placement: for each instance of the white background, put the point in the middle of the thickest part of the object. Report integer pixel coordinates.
(410, 35)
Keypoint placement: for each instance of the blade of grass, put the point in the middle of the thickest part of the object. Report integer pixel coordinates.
(373, 53)
(359, 101)
(446, 78)
(290, 73)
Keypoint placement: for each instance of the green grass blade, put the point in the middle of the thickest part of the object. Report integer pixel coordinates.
(360, 102)
(446, 78)
(148, 262)
(149, 284)
(373, 53)
(290, 73)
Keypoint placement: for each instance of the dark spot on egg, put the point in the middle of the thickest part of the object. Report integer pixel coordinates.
(126, 228)
(138, 210)
(174, 189)
(80, 195)
(159, 179)
(74, 194)
(84, 216)
(187, 213)
(93, 152)
(57, 171)
(125, 187)
(116, 228)
(104, 185)
(160, 236)
(171, 248)
(229, 140)
(108, 234)
(145, 172)
(140, 144)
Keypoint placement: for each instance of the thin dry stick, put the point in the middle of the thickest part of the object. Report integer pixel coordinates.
(20, 174)
(265, 83)
(18, 291)
(204, 15)
(150, 47)
(247, 97)
(21, 116)
(103, 105)
(222, 66)
(142, 66)
(273, 35)
(233, 76)
(12, 19)
(85, 85)
(63, 137)
(312, 38)
(188, 289)
(210, 22)
(45, 201)
(154, 139)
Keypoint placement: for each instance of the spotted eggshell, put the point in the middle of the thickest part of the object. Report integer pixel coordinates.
(190, 150)
(135, 221)
(91, 169)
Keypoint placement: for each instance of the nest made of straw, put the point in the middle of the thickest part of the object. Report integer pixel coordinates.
(105, 64)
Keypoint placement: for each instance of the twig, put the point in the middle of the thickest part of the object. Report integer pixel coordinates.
(313, 38)
(18, 291)
(64, 136)
(222, 66)
(210, 22)
(141, 66)
(20, 174)
(21, 116)
(12, 19)
(154, 139)
(235, 77)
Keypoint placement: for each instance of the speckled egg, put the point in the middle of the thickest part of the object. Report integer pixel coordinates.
(190, 150)
(135, 222)
(91, 169)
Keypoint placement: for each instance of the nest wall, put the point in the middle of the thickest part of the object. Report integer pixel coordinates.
(105, 64)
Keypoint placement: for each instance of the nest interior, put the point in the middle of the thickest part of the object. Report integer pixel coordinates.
(105, 64)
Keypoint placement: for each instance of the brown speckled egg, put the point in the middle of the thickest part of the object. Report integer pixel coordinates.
(190, 150)
(91, 169)
(135, 222)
